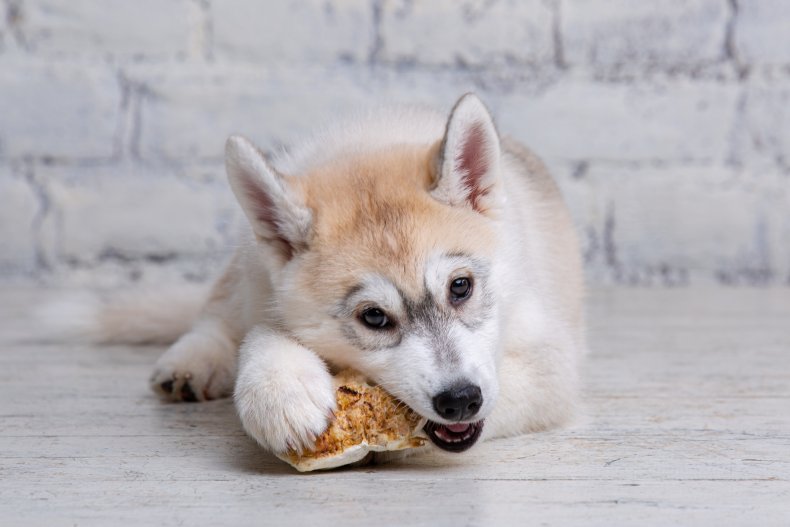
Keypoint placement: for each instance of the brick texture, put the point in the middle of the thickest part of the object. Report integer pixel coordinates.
(212, 102)
(762, 33)
(665, 123)
(180, 215)
(639, 121)
(669, 34)
(765, 136)
(53, 110)
(470, 33)
(655, 225)
(313, 31)
(18, 213)
(151, 29)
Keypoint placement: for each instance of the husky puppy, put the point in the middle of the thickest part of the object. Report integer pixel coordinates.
(426, 252)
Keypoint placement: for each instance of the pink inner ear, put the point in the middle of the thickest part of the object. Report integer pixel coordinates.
(472, 161)
(265, 213)
(264, 206)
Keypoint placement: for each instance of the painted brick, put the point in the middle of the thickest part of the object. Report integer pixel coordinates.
(668, 226)
(57, 110)
(293, 30)
(468, 32)
(623, 32)
(644, 128)
(190, 114)
(18, 211)
(141, 28)
(3, 29)
(132, 213)
(582, 119)
(762, 32)
(435, 89)
(765, 138)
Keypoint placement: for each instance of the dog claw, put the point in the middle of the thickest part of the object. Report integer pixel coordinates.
(187, 394)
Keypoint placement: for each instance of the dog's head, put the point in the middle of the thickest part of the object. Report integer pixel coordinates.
(384, 261)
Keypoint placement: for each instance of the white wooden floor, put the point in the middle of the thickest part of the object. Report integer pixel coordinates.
(687, 422)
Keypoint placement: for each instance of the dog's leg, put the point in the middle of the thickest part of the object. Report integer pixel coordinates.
(537, 389)
(284, 392)
(200, 366)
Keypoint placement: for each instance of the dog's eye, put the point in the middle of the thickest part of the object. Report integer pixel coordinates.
(460, 289)
(375, 318)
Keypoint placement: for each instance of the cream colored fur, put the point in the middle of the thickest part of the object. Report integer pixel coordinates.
(129, 317)
(380, 205)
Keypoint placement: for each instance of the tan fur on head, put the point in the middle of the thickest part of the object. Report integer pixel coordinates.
(371, 212)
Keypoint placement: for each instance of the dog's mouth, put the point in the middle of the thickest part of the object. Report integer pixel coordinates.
(455, 437)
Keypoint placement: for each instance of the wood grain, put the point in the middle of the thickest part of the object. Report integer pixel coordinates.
(686, 419)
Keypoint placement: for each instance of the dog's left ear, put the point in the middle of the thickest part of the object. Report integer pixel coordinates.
(469, 157)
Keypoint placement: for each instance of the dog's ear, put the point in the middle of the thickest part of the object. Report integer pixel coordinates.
(467, 166)
(275, 210)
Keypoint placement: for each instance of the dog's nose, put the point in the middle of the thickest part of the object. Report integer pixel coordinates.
(459, 402)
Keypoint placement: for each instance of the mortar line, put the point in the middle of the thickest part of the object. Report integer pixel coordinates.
(207, 30)
(555, 7)
(42, 263)
(730, 47)
(377, 45)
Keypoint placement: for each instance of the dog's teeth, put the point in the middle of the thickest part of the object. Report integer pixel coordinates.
(446, 434)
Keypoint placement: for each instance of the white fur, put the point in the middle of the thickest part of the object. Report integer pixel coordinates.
(204, 357)
(284, 393)
(126, 317)
(74, 316)
(367, 131)
(248, 169)
(468, 113)
(410, 370)
(523, 356)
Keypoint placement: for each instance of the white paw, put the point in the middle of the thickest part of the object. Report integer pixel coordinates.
(196, 368)
(285, 403)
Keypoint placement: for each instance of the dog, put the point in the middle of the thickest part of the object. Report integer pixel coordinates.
(424, 251)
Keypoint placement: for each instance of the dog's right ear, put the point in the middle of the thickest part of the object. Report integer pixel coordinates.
(276, 211)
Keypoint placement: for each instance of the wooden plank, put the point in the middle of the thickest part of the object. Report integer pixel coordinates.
(686, 420)
(322, 500)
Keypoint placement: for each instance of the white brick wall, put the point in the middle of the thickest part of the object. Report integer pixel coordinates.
(18, 214)
(150, 29)
(668, 33)
(762, 33)
(450, 32)
(666, 123)
(765, 138)
(49, 109)
(188, 113)
(156, 213)
(265, 31)
(629, 212)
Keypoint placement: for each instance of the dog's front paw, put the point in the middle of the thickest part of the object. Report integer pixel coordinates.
(196, 368)
(286, 406)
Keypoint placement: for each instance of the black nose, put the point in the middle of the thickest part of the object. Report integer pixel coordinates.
(459, 402)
